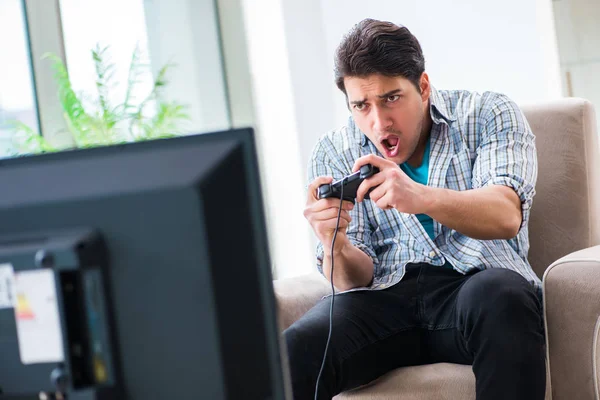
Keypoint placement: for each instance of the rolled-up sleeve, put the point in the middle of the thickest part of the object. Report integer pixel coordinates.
(326, 162)
(506, 154)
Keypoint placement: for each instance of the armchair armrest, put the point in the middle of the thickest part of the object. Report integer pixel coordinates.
(572, 315)
(295, 296)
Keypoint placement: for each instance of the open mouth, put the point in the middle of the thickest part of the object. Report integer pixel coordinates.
(390, 144)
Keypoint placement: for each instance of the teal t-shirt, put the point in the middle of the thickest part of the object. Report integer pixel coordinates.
(420, 174)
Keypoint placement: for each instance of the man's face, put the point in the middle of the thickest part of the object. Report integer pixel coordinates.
(390, 111)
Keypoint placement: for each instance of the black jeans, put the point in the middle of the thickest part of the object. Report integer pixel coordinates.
(491, 319)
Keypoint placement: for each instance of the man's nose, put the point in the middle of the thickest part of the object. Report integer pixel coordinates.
(381, 121)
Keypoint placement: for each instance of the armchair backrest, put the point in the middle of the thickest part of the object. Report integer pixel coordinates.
(565, 215)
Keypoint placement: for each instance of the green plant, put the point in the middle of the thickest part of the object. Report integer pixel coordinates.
(92, 120)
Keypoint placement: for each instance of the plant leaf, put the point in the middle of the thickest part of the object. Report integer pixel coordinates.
(27, 141)
(74, 113)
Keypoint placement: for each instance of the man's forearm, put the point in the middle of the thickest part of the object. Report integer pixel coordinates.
(352, 267)
(492, 212)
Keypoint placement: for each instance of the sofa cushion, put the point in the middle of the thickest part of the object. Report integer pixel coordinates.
(565, 215)
(442, 381)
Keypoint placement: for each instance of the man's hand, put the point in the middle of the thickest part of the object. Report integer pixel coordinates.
(491, 212)
(392, 187)
(322, 215)
(353, 267)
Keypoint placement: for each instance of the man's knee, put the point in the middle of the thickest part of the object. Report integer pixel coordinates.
(305, 340)
(500, 298)
(497, 288)
(299, 339)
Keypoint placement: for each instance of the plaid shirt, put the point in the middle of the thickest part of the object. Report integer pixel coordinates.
(476, 140)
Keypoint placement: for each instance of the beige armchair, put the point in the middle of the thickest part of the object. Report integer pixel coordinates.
(565, 251)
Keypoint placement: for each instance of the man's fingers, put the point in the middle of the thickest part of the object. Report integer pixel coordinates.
(324, 204)
(347, 205)
(385, 202)
(314, 210)
(378, 192)
(330, 225)
(331, 214)
(372, 159)
(314, 186)
(367, 184)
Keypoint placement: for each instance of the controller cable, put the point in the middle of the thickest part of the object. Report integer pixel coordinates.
(337, 225)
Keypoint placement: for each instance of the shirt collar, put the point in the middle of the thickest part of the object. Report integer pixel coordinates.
(364, 140)
(438, 110)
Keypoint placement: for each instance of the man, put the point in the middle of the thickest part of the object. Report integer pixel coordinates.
(433, 267)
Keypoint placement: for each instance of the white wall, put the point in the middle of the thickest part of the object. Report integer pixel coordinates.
(278, 136)
(486, 45)
(185, 32)
(311, 72)
(578, 34)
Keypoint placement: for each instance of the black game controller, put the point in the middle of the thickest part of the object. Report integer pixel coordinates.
(351, 184)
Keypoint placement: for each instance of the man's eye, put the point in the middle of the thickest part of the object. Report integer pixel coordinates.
(360, 107)
(393, 98)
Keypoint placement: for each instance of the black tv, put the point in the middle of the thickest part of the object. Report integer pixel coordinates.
(138, 271)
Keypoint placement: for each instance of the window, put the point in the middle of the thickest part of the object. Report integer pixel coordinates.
(182, 34)
(88, 24)
(17, 96)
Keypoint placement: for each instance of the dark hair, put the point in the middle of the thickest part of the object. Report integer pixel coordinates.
(379, 47)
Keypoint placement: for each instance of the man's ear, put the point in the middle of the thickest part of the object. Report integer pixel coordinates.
(425, 86)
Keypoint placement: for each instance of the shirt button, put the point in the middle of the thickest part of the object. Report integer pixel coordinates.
(432, 254)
